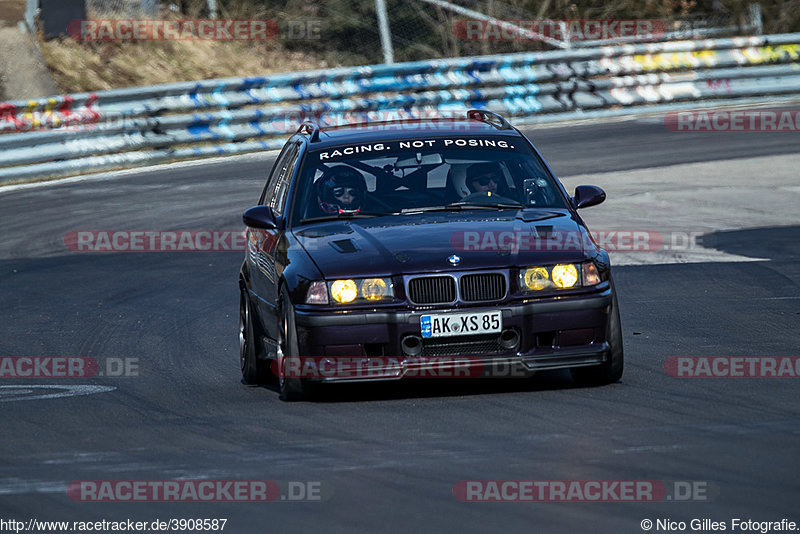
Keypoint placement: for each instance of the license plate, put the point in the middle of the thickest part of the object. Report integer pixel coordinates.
(461, 324)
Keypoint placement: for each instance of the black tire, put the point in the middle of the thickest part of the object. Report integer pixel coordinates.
(292, 388)
(609, 371)
(254, 371)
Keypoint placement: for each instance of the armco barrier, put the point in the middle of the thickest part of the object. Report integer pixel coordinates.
(78, 133)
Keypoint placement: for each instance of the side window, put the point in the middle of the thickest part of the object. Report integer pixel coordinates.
(282, 183)
(280, 165)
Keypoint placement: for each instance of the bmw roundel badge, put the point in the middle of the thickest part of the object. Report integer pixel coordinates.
(455, 260)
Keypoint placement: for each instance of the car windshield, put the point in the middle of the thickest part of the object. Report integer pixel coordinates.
(437, 174)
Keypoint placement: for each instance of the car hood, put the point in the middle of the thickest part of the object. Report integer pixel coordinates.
(424, 242)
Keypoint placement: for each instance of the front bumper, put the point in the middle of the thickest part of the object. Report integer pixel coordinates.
(554, 333)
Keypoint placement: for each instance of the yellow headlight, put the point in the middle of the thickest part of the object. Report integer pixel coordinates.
(344, 291)
(536, 278)
(565, 275)
(373, 289)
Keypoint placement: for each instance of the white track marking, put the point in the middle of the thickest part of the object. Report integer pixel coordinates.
(23, 393)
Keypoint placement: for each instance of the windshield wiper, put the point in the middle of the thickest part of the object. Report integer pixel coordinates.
(460, 206)
(345, 215)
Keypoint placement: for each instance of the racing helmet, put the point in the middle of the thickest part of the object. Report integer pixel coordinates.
(341, 189)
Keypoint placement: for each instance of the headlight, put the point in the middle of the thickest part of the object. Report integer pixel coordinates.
(354, 290)
(373, 289)
(344, 291)
(561, 276)
(535, 278)
(565, 276)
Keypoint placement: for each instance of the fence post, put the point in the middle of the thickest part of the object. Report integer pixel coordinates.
(149, 7)
(755, 18)
(383, 27)
(31, 8)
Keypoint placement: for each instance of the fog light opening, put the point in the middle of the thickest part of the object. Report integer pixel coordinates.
(411, 345)
(509, 339)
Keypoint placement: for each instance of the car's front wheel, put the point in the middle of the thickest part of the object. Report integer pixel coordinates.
(254, 371)
(292, 388)
(609, 371)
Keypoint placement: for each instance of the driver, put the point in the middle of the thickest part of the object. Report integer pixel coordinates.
(484, 177)
(341, 190)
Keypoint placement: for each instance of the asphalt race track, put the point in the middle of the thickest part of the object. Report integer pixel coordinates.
(387, 456)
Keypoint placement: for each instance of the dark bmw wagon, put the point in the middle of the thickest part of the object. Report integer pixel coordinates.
(384, 250)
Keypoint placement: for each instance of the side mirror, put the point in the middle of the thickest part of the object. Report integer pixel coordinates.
(260, 217)
(588, 195)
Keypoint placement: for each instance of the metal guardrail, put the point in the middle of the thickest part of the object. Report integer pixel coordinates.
(87, 132)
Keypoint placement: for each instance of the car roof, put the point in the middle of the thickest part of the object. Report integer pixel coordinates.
(329, 136)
